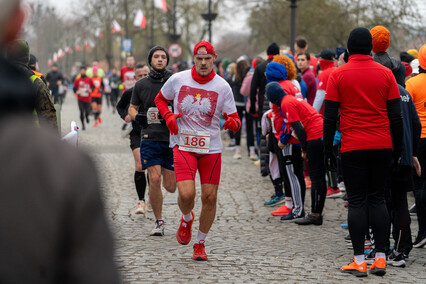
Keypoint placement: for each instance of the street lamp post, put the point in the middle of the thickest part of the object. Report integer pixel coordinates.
(210, 17)
(293, 6)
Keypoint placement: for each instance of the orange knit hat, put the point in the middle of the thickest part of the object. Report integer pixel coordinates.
(422, 57)
(381, 39)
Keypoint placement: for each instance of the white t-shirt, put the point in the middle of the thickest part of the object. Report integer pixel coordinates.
(200, 104)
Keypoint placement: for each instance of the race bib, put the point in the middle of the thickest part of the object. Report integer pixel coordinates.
(153, 116)
(83, 92)
(194, 141)
(97, 84)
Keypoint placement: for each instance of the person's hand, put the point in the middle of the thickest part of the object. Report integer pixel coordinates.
(330, 161)
(127, 118)
(303, 154)
(230, 123)
(171, 122)
(281, 145)
(416, 165)
(59, 82)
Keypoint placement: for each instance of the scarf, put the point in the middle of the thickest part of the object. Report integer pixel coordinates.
(200, 79)
(270, 57)
(157, 75)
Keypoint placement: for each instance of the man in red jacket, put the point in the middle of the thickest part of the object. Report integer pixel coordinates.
(199, 97)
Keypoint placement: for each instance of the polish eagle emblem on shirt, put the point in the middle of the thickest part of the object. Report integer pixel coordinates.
(197, 104)
(196, 107)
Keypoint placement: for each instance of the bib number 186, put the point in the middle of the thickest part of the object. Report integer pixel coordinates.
(194, 141)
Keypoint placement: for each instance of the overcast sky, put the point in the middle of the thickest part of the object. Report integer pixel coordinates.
(222, 27)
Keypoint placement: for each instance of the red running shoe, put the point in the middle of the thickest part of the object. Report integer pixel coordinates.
(184, 233)
(99, 119)
(199, 252)
(333, 193)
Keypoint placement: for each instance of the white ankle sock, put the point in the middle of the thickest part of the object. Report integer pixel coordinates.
(238, 149)
(380, 255)
(252, 150)
(288, 202)
(187, 217)
(200, 237)
(359, 258)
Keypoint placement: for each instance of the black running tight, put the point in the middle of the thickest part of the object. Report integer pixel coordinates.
(365, 173)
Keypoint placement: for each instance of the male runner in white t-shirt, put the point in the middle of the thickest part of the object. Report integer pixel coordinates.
(199, 98)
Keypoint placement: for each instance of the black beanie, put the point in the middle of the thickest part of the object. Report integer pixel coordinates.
(406, 57)
(154, 49)
(360, 41)
(33, 60)
(275, 93)
(273, 49)
(327, 54)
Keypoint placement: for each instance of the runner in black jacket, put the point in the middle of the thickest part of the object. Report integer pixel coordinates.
(141, 71)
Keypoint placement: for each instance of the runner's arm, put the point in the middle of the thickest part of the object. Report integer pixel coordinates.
(331, 110)
(319, 99)
(395, 120)
(300, 133)
(133, 111)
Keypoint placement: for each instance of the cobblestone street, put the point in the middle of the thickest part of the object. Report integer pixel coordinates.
(245, 244)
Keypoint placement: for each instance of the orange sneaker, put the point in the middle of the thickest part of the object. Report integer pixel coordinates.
(359, 270)
(95, 124)
(281, 211)
(378, 267)
(184, 233)
(199, 252)
(99, 119)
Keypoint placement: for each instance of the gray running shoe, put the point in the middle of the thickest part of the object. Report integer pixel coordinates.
(158, 229)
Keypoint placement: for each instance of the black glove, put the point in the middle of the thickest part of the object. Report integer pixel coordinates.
(330, 161)
(141, 119)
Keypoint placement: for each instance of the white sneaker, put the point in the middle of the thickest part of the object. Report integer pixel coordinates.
(148, 207)
(341, 186)
(254, 157)
(158, 228)
(141, 207)
(237, 155)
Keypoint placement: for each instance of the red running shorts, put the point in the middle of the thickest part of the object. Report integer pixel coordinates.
(187, 163)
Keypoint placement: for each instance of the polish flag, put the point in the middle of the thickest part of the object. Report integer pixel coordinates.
(77, 48)
(55, 57)
(60, 53)
(116, 28)
(86, 45)
(98, 33)
(161, 4)
(140, 20)
(68, 50)
(49, 62)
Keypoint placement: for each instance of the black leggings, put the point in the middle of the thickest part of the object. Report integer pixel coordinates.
(249, 127)
(315, 156)
(396, 201)
(85, 110)
(420, 189)
(365, 173)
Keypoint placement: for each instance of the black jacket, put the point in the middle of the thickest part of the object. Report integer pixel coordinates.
(123, 108)
(17, 93)
(411, 126)
(144, 93)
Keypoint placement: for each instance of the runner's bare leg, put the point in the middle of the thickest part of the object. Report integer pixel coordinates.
(186, 195)
(155, 194)
(208, 209)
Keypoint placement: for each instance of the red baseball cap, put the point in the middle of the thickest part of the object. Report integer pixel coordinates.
(209, 48)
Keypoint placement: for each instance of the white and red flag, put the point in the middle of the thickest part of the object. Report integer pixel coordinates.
(116, 28)
(161, 4)
(68, 50)
(140, 20)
